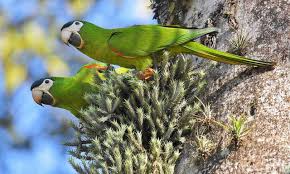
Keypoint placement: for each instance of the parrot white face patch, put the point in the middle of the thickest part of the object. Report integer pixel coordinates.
(67, 30)
(45, 86)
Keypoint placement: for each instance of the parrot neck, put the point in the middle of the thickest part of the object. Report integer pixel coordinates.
(69, 94)
(95, 40)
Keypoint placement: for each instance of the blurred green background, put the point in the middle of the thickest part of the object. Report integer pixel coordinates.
(30, 48)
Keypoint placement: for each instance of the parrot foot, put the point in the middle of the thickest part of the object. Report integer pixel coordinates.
(81, 127)
(146, 74)
(110, 68)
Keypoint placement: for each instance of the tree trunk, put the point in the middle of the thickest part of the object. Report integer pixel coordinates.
(265, 95)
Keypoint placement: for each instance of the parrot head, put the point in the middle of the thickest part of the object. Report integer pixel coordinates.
(70, 33)
(62, 92)
(41, 91)
(68, 92)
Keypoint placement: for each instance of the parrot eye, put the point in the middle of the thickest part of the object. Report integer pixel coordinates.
(77, 23)
(48, 82)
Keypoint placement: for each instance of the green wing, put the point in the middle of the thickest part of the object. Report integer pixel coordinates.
(143, 40)
(87, 72)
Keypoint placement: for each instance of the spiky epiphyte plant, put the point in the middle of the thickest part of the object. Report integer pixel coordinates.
(203, 145)
(239, 44)
(135, 126)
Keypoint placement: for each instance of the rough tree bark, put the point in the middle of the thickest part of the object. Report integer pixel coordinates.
(238, 89)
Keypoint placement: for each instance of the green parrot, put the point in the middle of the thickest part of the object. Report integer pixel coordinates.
(134, 47)
(68, 92)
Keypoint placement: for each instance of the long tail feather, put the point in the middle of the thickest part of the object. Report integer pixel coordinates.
(219, 56)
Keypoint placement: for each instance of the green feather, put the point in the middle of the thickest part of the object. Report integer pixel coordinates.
(216, 55)
(69, 92)
(133, 47)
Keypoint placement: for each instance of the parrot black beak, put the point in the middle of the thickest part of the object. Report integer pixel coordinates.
(47, 99)
(75, 40)
(41, 97)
